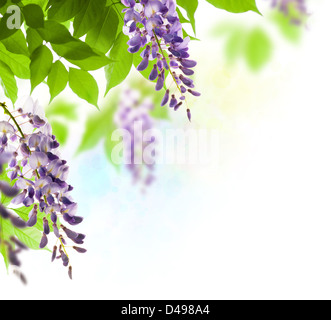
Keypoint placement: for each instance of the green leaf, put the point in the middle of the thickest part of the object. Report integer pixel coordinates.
(34, 16)
(8, 82)
(33, 39)
(91, 63)
(29, 236)
(103, 35)
(19, 64)
(74, 50)
(16, 43)
(88, 17)
(98, 126)
(55, 33)
(57, 79)
(62, 108)
(235, 6)
(84, 85)
(60, 131)
(258, 49)
(191, 7)
(23, 213)
(118, 70)
(64, 10)
(40, 66)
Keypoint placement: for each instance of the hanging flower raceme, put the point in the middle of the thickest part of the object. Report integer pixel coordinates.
(154, 25)
(133, 117)
(10, 245)
(40, 174)
(295, 9)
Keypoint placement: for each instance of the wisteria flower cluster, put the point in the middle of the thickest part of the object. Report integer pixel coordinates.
(297, 8)
(12, 246)
(154, 25)
(34, 164)
(133, 116)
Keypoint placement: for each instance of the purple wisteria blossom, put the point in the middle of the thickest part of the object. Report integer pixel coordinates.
(37, 170)
(154, 25)
(11, 245)
(133, 117)
(295, 9)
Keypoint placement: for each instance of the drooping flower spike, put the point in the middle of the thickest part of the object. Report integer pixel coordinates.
(41, 176)
(295, 9)
(133, 116)
(10, 245)
(155, 26)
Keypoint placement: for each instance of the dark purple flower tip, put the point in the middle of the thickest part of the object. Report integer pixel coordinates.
(54, 253)
(178, 105)
(7, 190)
(56, 230)
(187, 71)
(17, 222)
(79, 250)
(186, 81)
(24, 150)
(173, 101)
(135, 41)
(79, 239)
(134, 49)
(65, 259)
(70, 272)
(38, 122)
(3, 212)
(165, 98)
(160, 82)
(18, 243)
(33, 219)
(143, 64)
(189, 115)
(187, 63)
(66, 201)
(194, 93)
(165, 64)
(28, 202)
(75, 220)
(13, 258)
(43, 242)
(46, 226)
(53, 217)
(154, 73)
(70, 234)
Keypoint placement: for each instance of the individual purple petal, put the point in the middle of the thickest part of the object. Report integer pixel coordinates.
(173, 101)
(165, 98)
(43, 242)
(46, 226)
(33, 219)
(38, 159)
(189, 116)
(154, 73)
(187, 63)
(178, 105)
(80, 250)
(186, 71)
(143, 64)
(194, 93)
(160, 81)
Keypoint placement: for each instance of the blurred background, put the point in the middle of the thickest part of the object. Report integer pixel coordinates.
(251, 224)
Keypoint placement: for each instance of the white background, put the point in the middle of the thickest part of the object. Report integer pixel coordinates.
(256, 226)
